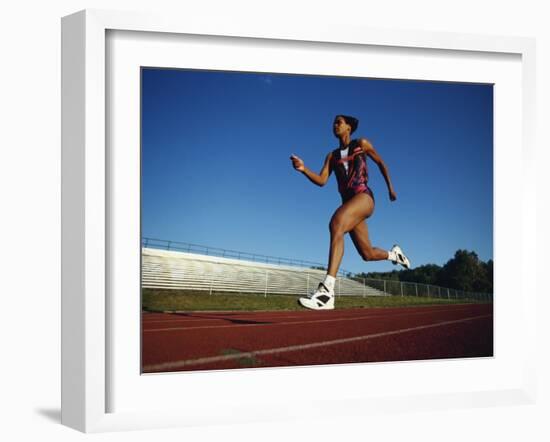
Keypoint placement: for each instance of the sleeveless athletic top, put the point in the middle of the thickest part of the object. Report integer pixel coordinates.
(353, 180)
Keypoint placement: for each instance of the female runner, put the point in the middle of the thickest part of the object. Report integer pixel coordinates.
(349, 163)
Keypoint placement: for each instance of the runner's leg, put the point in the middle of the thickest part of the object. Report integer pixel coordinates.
(360, 237)
(346, 217)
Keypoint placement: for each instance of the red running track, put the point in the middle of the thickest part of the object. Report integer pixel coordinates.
(223, 340)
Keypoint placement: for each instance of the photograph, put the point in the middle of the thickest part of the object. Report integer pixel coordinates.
(299, 220)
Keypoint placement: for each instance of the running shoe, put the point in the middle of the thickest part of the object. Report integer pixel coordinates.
(400, 257)
(321, 299)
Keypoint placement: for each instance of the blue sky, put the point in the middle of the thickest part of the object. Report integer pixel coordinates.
(216, 168)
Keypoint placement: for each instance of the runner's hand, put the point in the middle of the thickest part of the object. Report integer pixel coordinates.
(393, 195)
(297, 163)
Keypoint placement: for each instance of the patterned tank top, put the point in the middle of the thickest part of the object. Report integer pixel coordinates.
(353, 180)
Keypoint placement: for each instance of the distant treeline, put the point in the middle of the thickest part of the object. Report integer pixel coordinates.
(463, 272)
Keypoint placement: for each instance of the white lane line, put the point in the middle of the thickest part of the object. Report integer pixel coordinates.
(270, 351)
(314, 321)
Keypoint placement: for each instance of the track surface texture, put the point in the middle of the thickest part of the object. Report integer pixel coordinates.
(227, 340)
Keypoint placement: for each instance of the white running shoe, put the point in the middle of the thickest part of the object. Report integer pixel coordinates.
(400, 257)
(321, 299)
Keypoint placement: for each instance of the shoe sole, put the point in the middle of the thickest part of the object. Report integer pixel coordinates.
(404, 264)
(314, 307)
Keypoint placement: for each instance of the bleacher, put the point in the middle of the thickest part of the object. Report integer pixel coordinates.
(167, 269)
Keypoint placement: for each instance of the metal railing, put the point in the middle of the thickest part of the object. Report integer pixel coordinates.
(275, 281)
(179, 246)
(233, 278)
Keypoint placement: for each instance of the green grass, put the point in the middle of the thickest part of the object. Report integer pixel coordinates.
(159, 300)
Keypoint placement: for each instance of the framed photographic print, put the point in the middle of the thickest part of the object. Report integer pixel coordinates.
(202, 280)
(213, 170)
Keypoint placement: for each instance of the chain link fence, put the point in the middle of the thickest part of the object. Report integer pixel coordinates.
(402, 288)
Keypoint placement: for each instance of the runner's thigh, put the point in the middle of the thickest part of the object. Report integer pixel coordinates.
(352, 212)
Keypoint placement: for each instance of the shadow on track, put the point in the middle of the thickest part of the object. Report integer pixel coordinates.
(223, 317)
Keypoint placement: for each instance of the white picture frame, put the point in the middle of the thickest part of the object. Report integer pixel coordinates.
(86, 204)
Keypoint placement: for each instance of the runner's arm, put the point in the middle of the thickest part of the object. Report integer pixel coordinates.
(318, 179)
(368, 148)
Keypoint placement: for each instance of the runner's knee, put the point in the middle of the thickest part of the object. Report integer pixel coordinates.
(336, 226)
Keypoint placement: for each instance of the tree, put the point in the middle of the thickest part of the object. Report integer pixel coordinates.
(426, 274)
(489, 269)
(318, 268)
(465, 272)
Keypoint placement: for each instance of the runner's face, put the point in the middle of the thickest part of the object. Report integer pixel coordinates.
(340, 127)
